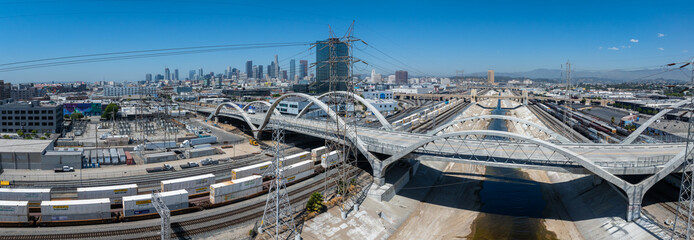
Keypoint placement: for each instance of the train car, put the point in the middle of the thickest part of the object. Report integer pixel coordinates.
(87, 209)
(14, 211)
(235, 189)
(114, 193)
(100, 155)
(194, 184)
(255, 169)
(317, 152)
(294, 158)
(107, 156)
(142, 204)
(94, 157)
(34, 195)
(330, 159)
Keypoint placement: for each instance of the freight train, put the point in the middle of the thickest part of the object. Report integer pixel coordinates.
(583, 123)
(34, 207)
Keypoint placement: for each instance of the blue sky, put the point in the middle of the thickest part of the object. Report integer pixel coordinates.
(433, 37)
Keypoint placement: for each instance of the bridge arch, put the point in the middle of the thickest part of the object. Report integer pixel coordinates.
(239, 109)
(547, 131)
(386, 125)
(629, 139)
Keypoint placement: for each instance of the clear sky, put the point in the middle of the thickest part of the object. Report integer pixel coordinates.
(433, 37)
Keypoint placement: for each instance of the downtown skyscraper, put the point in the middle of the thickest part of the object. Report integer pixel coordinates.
(303, 69)
(167, 74)
(249, 69)
(292, 70)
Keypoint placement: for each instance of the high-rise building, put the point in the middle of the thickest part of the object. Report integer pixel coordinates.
(175, 76)
(167, 74)
(249, 69)
(200, 74)
(401, 77)
(148, 77)
(260, 72)
(254, 72)
(375, 77)
(292, 69)
(284, 74)
(276, 68)
(490, 77)
(325, 68)
(191, 75)
(271, 70)
(303, 68)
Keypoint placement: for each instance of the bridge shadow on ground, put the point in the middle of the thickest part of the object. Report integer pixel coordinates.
(574, 199)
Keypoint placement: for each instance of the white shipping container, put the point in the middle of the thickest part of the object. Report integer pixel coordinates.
(75, 209)
(107, 156)
(194, 184)
(298, 176)
(317, 152)
(14, 211)
(255, 169)
(294, 158)
(330, 159)
(114, 156)
(121, 156)
(235, 195)
(235, 185)
(100, 155)
(142, 204)
(114, 193)
(34, 196)
(297, 168)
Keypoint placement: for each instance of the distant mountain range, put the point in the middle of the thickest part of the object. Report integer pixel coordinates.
(605, 76)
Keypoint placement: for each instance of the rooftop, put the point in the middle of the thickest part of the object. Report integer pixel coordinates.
(23, 145)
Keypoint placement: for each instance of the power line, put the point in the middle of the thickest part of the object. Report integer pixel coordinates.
(113, 58)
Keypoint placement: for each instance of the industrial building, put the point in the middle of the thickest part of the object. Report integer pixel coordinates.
(28, 156)
(31, 116)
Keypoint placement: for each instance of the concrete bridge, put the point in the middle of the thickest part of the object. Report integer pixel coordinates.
(474, 97)
(484, 147)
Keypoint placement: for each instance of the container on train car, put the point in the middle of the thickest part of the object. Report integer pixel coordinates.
(107, 156)
(142, 204)
(230, 190)
(199, 152)
(94, 157)
(330, 159)
(14, 211)
(297, 168)
(114, 193)
(294, 158)
(317, 152)
(292, 178)
(129, 158)
(34, 196)
(75, 210)
(194, 184)
(255, 169)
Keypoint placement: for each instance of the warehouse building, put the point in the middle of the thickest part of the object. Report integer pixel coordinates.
(28, 156)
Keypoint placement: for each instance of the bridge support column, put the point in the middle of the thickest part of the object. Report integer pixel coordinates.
(525, 97)
(473, 95)
(634, 199)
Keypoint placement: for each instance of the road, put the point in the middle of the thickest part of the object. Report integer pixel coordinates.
(222, 135)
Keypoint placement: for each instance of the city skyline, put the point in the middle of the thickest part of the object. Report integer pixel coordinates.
(508, 37)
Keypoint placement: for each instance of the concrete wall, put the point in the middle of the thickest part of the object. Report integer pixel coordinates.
(72, 159)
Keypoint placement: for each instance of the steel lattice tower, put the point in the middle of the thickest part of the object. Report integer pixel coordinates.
(683, 226)
(344, 106)
(278, 218)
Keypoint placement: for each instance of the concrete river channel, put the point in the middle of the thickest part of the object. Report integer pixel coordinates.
(511, 205)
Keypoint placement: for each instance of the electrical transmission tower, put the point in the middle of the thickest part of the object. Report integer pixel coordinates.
(568, 88)
(278, 218)
(339, 64)
(683, 226)
(165, 215)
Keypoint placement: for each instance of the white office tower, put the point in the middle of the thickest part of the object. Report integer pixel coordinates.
(375, 78)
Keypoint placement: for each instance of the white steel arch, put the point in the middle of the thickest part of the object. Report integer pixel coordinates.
(240, 110)
(554, 134)
(386, 125)
(629, 139)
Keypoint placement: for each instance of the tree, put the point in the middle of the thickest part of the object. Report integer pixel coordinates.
(315, 202)
(66, 116)
(110, 111)
(76, 115)
(20, 132)
(612, 120)
(583, 101)
(47, 134)
(6, 136)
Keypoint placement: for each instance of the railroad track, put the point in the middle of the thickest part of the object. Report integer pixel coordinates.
(187, 228)
(554, 124)
(439, 119)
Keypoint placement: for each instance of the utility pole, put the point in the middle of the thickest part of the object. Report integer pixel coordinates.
(683, 227)
(568, 88)
(165, 215)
